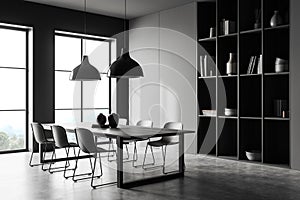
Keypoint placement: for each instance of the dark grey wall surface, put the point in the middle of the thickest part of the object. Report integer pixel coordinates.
(45, 19)
(295, 83)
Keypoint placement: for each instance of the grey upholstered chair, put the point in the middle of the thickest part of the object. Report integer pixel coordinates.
(86, 142)
(61, 141)
(164, 142)
(40, 137)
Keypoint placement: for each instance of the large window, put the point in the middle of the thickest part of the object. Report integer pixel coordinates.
(81, 101)
(13, 88)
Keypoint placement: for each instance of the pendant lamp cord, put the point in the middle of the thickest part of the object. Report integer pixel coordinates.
(125, 16)
(85, 16)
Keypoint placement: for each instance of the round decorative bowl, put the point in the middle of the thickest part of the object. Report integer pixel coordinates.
(281, 68)
(253, 155)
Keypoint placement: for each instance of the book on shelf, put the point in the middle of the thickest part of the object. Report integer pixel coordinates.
(250, 64)
(255, 65)
(201, 66)
(205, 66)
(260, 64)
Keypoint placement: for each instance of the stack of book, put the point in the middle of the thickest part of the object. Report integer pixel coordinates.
(255, 65)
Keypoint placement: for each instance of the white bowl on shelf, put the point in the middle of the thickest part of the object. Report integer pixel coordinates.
(209, 112)
(253, 155)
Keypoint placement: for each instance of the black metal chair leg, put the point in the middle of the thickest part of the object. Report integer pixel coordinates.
(30, 161)
(93, 175)
(76, 175)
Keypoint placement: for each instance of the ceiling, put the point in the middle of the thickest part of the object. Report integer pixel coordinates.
(115, 8)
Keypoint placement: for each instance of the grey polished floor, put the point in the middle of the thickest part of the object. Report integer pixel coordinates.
(206, 178)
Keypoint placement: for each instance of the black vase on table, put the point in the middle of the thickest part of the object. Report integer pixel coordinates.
(101, 119)
(113, 120)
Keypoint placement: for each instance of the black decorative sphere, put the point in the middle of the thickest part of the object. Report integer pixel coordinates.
(113, 120)
(101, 119)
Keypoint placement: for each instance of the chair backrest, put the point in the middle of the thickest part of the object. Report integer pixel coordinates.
(38, 133)
(175, 126)
(60, 136)
(85, 139)
(145, 123)
(122, 121)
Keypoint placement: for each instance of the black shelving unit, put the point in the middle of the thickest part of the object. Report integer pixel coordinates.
(255, 127)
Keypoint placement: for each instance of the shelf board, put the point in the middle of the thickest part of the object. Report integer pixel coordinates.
(228, 117)
(255, 118)
(226, 76)
(207, 77)
(228, 157)
(207, 116)
(249, 75)
(210, 39)
(277, 118)
(251, 31)
(276, 73)
(228, 35)
(278, 27)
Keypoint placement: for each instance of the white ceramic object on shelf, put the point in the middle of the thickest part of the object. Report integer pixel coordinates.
(281, 65)
(276, 19)
(230, 112)
(253, 155)
(209, 112)
(231, 65)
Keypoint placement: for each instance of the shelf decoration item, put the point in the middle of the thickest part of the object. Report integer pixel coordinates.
(207, 65)
(229, 27)
(281, 65)
(253, 155)
(231, 66)
(101, 119)
(212, 32)
(230, 112)
(280, 108)
(113, 120)
(276, 20)
(209, 112)
(255, 63)
(257, 23)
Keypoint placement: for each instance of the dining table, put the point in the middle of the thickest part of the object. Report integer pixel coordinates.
(127, 133)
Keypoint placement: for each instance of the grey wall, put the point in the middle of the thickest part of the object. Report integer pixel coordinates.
(295, 82)
(169, 92)
(144, 97)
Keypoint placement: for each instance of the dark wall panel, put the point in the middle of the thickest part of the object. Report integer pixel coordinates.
(295, 82)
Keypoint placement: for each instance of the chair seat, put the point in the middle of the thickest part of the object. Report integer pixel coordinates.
(160, 143)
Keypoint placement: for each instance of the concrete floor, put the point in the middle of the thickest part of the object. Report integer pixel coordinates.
(206, 178)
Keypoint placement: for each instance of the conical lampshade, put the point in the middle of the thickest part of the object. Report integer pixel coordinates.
(85, 72)
(125, 67)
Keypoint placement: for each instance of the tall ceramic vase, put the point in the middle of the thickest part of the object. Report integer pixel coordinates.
(276, 20)
(231, 68)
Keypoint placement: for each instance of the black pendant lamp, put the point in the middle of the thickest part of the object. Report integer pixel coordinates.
(125, 66)
(85, 71)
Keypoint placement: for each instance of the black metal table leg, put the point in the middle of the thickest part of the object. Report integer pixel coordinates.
(119, 162)
(181, 154)
(41, 153)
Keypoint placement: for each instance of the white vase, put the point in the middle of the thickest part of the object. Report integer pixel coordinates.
(276, 20)
(231, 68)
